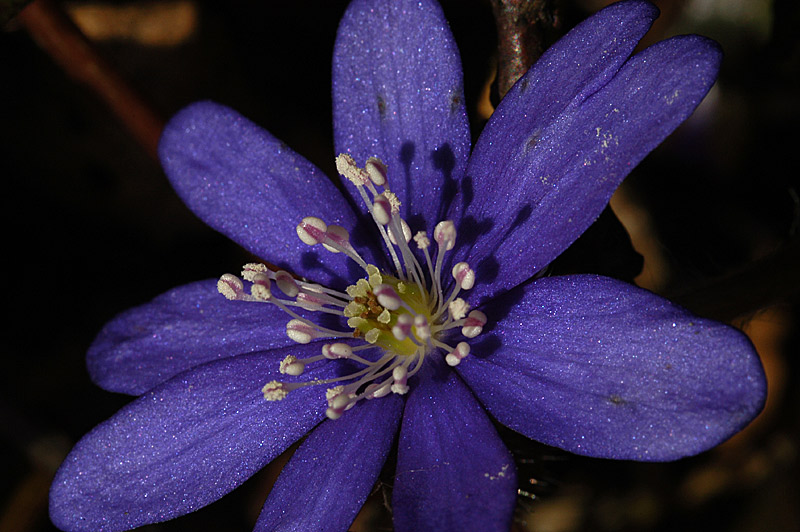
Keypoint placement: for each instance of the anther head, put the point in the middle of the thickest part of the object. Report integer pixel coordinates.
(474, 323)
(230, 286)
(402, 328)
(337, 350)
(464, 275)
(311, 230)
(376, 170)
(454, 357)
(338, 235)
(300, 332)
(421, 327)
(347, 167)
(422, 240)
(445, 234)
(406, 232)
(260, 289)
(382, 209)
(291, 366)
(274, 391)
(286, 283)
(387, 297)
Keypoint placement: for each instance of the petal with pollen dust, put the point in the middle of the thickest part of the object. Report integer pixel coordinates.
(602, 368)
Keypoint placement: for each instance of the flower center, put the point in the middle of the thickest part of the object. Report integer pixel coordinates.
(395, 320)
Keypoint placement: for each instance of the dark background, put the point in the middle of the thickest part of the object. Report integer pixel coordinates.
(91, 227)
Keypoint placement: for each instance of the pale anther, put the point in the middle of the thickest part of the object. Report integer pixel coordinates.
(402, 328)
(474, 323)
(393, 201)
(464, 275)
(291, 366)
(230, 286)
(399, 376)
(382, 209)
(337, 350)
(421, 327)
(311, 230)
(445, 234)
(422, 240)
(456, 355)
(309, 301)
(274, 391)
(406, 232)
(376, 170)
(260, 289)
(253, 268)
(458, 308)
(286, 283)
(347, 167)
(387, 297)
(338, 235)
(300, 332)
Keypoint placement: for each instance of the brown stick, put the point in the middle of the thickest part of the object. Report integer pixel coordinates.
(521, 29)
(55, 33)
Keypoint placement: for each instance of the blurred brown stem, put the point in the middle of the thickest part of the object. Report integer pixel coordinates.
(55, 33)
(522, 26)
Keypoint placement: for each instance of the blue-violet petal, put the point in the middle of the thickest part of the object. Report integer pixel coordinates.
(185, 327)
(602, 368)
(398, 96)
(183, 444)
(326, 482)
(453, 471)
(251, 187)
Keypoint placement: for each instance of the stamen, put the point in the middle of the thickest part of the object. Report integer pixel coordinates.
(376, 170)
(402, 328)
(474, 323)
(311, 230)
(458, 308)
(456, 355)
(405, 316)
(421, 327)
(276, 391)
(337, 350)
(464, 276)
(388, 297)
(301, 332)
(445, 234)
(382, 210)
(230, 286)
(291, 366)
(286, 283)
(399, 376)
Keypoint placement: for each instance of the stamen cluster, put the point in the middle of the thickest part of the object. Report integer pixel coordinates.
(400, 317)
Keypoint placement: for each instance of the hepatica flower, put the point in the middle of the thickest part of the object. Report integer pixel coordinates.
(411, 318)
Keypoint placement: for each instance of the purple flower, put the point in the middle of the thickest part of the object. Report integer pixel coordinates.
(585, 363)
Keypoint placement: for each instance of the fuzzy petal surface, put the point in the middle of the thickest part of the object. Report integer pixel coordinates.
(326, 482)
(183, 328)
(602, 368)
(398, 96)
(183, 444)
(453, 471)
(567, 134)
(249, 186)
